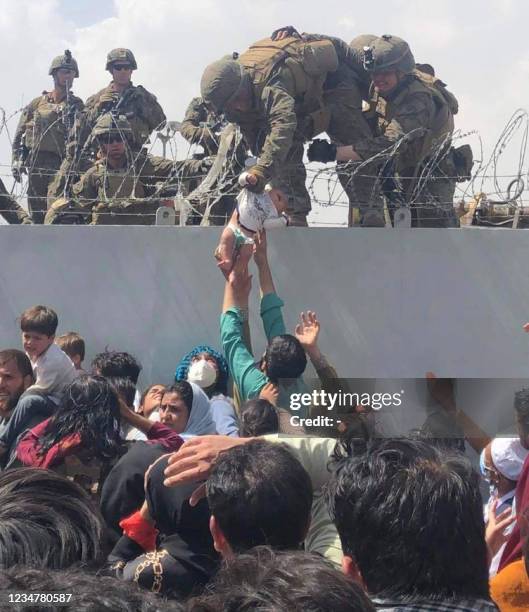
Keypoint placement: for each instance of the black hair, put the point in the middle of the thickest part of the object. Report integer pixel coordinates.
(91, 593)
(411, 516)
(259, 493)
(264, 579)
(258, 417)
(90, 409)
(146, 392)
(114, 363)
(46, 520)
(184, 390)
(39, 319)
(125, 388)
(21, 360)
(284, 358)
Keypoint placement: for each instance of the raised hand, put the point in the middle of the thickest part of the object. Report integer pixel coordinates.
(307, 330)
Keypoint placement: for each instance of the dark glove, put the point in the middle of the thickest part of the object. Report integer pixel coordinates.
(322, 151)
(285, 32)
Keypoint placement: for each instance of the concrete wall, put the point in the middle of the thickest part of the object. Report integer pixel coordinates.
(393, 303)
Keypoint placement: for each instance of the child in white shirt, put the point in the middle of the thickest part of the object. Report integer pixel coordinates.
(52, 369)
(255, 212)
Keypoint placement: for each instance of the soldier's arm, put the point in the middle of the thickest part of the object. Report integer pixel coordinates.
(280, 111)
(86, 191)
(25, 117)
(190, 127)
(411, 119)
(150, 110)
(10, 209)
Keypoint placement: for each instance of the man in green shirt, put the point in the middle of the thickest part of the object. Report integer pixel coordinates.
(285, 358)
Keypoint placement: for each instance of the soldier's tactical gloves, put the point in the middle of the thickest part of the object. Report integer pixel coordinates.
(261, 180)
(322, 151)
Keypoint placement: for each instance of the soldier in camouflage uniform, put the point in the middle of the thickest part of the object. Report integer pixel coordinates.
(414, 111)
(11, 210)
(282, 92)
(39, 144)
(121, 187)
(200, 126)
(120, 97)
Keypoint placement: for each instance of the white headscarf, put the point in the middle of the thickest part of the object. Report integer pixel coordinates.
(200, 422)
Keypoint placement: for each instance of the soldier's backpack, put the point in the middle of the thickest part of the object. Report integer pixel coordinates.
(308, 62)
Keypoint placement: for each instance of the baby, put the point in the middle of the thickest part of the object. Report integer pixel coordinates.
(52, 369)
(254, 212)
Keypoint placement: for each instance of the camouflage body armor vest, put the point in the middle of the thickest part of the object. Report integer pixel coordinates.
(46, 132)
(309, 64)
(122, 198)
(441, 127)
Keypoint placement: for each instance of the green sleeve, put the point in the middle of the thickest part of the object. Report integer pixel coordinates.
(85, 191)
(272, 316)
(279, 108)
(190, 126)
(246, 375)
(414, 115)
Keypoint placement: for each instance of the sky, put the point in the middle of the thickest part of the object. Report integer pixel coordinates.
(478, 47)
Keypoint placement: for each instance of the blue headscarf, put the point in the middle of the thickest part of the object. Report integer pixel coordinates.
(221, 386)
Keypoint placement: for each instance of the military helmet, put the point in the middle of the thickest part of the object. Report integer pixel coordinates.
(389, 53)
(359, 42)
(121, 55)
(109, 123)
(221, 82)
(65, 60)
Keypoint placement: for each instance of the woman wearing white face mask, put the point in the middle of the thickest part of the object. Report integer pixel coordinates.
(208, 369)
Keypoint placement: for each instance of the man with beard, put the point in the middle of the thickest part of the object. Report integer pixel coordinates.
(18, 411)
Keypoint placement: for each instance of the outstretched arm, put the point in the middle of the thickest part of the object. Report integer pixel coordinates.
(442, 391)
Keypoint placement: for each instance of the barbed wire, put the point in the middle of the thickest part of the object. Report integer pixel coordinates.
(335, 185)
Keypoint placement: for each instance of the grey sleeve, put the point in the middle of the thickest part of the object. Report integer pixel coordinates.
(28, 409)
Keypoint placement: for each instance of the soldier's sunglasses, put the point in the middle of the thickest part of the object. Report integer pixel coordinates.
(110, 139)
(121, 67)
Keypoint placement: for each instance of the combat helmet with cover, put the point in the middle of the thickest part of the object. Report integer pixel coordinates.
(389, 53)
(66, 60)
(112, 124)
(121, 55)
(221, 82)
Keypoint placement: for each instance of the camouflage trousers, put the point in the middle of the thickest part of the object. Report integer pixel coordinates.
(42, 168)
(291, 179)
(346, 126)
(432, 199)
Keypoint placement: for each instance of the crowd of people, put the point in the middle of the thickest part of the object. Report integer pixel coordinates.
(389, 121)
(200, 493)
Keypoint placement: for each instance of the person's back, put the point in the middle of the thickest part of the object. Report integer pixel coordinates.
(411, 524)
